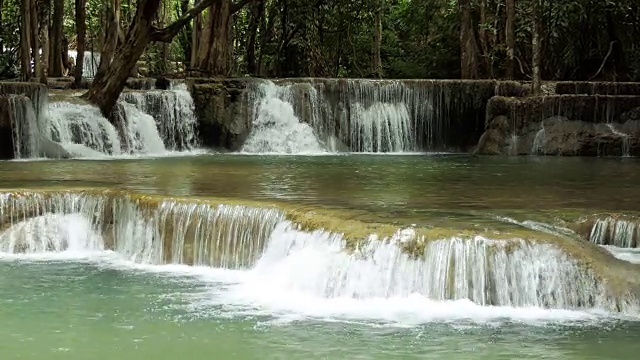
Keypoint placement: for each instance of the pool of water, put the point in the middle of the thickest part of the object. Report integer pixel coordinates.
(98, 305)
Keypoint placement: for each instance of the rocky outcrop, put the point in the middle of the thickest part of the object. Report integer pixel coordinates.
(597, 88)
(6, 121)
(580, 125)
(222, 110)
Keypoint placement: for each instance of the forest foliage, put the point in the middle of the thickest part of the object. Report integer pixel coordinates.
(580, 39)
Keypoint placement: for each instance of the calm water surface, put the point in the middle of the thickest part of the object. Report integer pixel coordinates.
(99, 307)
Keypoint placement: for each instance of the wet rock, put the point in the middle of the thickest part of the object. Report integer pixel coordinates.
(568, 125)
(222, 111)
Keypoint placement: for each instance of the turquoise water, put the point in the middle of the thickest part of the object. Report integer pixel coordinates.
(96, 305)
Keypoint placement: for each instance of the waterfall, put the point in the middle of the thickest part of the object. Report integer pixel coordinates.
(626, 147)
(276, 128)
(616, 231)
(281, 262)
(173, 111)
(141, 132)
(379, 115)
(539, 142)
(28, 117)
(82, 130)
(484, 271)
(90, 63)
(26, 132)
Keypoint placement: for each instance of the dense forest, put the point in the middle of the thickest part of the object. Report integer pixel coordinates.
(523, 39)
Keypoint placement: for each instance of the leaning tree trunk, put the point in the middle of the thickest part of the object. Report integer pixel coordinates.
(56, 66)
(214, 52)
(108, 85)
(510, 39)
(81, 29)
(25, 41)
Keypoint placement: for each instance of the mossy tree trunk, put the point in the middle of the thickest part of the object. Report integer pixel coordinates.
(108, 84)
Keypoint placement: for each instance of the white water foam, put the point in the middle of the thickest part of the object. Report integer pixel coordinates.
(142, 135)
(276, 129)
(305, 275)
(173, 111)
(82, 130)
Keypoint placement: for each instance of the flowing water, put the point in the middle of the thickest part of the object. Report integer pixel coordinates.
(201, 257)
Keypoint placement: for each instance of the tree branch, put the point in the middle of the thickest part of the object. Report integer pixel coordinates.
(240, 4)
(168, 33)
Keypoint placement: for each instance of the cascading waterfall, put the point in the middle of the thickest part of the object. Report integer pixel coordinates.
(82, 130)
(276, 128)
(141, 132)
(616, 232)
(539, 141)
(90, 63)
(378, 115)
(173, 111)
(26, 132)
(626, 147)
(282, 261)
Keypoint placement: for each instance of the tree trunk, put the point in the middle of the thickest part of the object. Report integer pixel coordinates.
(108, 85)
(112, 76)
(536, 86)
(44, 7)
(213, 56)
(112, 12)
(1, 42)
(196, 40)
(25, 40)
(35, 41)
(510, 39)
(187, 34)
(468, 61)
(377, 40)
(56, 66)
(257, 12)
(81, 29)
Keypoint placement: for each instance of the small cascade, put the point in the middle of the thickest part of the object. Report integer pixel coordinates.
(173, 111)
(382, 127)
(383, 115)
(279, 260)
(145, 232)
(51, 233)
(26, 130)
(537, 148)
(484, 271)
(616, 232)
(626, 144)
(141, 133)
(276, 128)
(90, 63)
(82, 130)
(28, 117)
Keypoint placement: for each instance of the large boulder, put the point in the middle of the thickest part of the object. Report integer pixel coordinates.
(222, 110)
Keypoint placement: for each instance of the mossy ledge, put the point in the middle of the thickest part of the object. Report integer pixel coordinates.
(622, 277)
